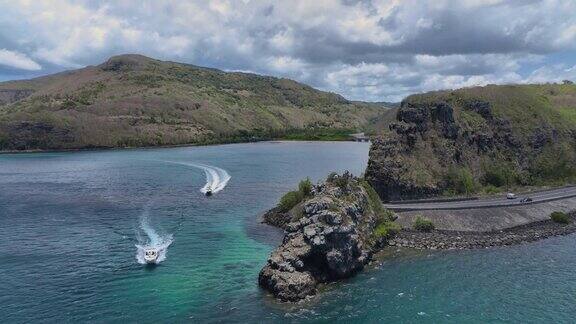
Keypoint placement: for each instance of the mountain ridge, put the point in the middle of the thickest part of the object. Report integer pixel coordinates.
(131, 101)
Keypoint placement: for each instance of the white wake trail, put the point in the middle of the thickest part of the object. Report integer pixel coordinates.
(152, 240)
(216, 178)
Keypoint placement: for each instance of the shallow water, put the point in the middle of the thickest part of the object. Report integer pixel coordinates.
(69, 225)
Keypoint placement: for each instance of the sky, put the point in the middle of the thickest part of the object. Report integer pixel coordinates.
(372, 50)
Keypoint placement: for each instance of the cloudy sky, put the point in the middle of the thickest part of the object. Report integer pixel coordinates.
(377, 50)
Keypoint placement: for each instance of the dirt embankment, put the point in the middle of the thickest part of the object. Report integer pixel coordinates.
(442, 239)
(489, 219)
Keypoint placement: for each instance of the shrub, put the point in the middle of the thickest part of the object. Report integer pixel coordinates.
(305, 187)
(341, 181)
(289, 200)
(560, 217)
(423, 224)
(461, 181)
(555, 163)
(500, 175)
(386, 229)
(490, 189)
(376, 204)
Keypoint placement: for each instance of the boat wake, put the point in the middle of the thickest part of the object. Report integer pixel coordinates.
(151, 240)
(216, 178)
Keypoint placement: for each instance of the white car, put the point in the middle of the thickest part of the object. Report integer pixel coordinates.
(510, 196)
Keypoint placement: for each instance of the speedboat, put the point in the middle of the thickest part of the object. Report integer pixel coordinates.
(208, 191)
(150, 255)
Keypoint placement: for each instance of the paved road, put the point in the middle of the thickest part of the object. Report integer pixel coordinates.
(500, 201)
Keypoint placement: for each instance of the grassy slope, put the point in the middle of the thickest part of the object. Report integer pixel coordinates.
(132, 100)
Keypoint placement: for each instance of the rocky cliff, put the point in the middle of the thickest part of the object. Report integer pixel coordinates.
(462, 141)
(329, 236)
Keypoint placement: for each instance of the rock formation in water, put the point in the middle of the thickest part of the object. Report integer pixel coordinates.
(329, 236)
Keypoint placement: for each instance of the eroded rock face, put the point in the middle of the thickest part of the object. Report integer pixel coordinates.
(330, 240)
(434, 135)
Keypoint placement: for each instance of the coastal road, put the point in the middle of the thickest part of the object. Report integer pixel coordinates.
(500, 201)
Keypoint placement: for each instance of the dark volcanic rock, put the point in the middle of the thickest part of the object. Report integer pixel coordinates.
(438, 134)
(483, 108)
(330, 240)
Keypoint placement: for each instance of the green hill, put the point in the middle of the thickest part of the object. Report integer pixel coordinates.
(132, 100)
(477, 139)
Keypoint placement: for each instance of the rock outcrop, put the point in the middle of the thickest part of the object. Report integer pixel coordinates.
(329, 236)
(479, 130)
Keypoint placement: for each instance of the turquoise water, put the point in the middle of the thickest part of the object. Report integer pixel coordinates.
(69, 223)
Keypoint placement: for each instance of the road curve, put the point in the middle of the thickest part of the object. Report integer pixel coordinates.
(500, 201)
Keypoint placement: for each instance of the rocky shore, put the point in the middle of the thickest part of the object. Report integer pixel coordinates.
(442, 239)
(334, 229)
(330, 235)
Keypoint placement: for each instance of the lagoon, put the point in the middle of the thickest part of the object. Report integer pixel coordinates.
(70, 223)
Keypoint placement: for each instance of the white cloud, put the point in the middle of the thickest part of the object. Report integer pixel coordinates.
(18, 61)
(369, 49)
(553, 73)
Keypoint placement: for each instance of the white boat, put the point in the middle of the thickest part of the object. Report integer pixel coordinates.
(208, 191)
(150, 255)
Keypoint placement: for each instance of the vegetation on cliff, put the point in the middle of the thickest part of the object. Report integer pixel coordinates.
(477, 139)
(132, 100)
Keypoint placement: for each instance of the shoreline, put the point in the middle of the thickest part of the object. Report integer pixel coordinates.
(459, 240)
(104, 149)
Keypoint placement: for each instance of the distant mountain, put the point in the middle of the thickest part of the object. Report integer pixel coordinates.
(477, 139)
(133, 100)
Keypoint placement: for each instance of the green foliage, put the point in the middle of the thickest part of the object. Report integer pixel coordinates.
(289, 200)
(555, 163)
(490, 189)
(568, 114)
(386, 229)
(499, 174)
(322, 134)
(293, 198)
(560, 217)
(376, 203)
(461, 181)
(385, 225)
(423, 224)
(473, 121)
(305, 187)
